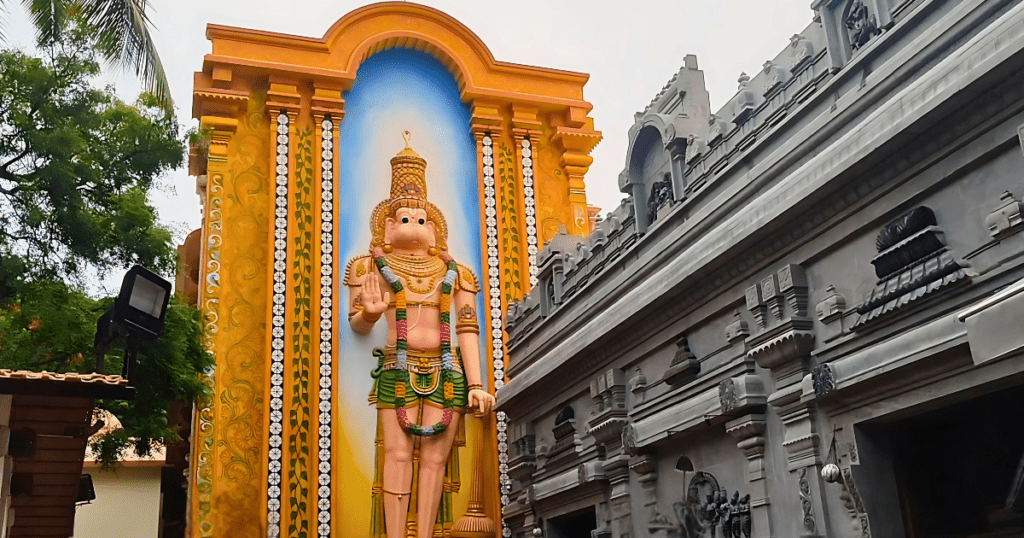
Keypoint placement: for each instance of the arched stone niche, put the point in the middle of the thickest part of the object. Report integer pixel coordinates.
(655, 158)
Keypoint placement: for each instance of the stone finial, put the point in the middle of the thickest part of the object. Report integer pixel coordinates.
(743, 80)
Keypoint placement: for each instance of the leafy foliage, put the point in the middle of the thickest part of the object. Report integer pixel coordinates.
(121, 30)
(76, 165)
(76, 168)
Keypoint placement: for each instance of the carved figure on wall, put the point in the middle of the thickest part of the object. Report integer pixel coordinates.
(661, 194)
(861, 24)
(422, 384)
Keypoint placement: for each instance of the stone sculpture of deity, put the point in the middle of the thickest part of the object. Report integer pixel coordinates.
(423, 383)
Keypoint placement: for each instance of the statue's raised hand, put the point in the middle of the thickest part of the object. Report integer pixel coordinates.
(374, 301)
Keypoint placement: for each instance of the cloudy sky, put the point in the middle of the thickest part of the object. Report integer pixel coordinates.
(630, 51)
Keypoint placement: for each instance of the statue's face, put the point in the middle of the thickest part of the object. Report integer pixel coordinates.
(410, 229)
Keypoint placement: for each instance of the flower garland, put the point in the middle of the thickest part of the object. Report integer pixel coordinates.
(402, 343)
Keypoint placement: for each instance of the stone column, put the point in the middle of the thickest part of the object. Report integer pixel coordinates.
(783, 345)
(645, 469)
(749, 432)
(677, 153)
(609, 389)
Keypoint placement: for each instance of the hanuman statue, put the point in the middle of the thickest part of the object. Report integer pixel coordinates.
(422, 384)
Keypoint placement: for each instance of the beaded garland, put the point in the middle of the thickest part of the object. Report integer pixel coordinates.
(402, 343)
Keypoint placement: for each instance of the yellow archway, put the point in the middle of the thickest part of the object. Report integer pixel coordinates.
(259, 466)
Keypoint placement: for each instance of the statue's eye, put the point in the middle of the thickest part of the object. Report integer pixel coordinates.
(405, 220)
(422, 222)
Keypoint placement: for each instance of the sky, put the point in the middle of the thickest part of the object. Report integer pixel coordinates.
(629, 49)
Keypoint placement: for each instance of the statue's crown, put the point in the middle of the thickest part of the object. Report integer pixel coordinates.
(408, 189)
(408, 178)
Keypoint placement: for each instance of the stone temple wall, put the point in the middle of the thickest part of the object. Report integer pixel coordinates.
(830, 265)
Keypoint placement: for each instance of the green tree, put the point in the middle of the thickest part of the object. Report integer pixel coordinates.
(76, 168)
(121, 29)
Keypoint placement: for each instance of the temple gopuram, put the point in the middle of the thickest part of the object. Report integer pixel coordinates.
(319, 219)
(804, 320)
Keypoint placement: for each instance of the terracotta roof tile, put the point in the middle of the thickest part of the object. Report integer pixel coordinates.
(99, 379)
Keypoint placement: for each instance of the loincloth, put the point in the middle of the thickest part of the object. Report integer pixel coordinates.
(423, 377)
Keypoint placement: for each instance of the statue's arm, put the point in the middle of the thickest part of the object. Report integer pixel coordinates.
(468, 331)
(467, 328)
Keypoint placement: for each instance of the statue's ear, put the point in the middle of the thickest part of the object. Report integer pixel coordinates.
(433, 232)
(389, 229)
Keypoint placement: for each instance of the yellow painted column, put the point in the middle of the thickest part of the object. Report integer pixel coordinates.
(229, 493)
(328, 110)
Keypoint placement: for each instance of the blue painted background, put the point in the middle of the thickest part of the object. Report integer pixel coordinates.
(397, 90)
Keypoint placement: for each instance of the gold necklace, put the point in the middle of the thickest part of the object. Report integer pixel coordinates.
(416, 269)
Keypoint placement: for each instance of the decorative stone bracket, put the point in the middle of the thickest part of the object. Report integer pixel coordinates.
(608, 391)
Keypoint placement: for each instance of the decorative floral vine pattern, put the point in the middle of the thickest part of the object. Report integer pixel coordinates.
(302, 264)
(510, 225)
(242, 339)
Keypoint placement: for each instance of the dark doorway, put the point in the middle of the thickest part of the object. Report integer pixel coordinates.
(574, 525)
(957, 468)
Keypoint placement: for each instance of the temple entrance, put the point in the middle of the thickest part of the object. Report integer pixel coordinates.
(959, 469)
(574, 525)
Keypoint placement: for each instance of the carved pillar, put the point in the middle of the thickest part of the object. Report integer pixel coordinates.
(526, 132)
(328, 109)
(783, 346)
(485, 121)
(646, 469)
(749, 432)
(607, 429)
(575, 140)
(677, 153)
(221, 131)
(288, 443)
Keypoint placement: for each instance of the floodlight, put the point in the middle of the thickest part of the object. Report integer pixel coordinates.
(142, 303)
(138, 313)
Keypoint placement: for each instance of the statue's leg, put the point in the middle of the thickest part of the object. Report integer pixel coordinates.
(398, 447)
(434, 453)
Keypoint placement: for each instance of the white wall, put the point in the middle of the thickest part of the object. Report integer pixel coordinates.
(127, 504)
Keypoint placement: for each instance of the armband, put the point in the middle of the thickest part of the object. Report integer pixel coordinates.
(467, 322)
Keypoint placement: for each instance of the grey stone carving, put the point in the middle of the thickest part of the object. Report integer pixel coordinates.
(684, 365)
(1006, 217)
(727, 395)
(661, 194)
(801, 52)
(736, 331)
(913, 263)
(861, 24)
(805, 502)
(638, 385)
(823, 379)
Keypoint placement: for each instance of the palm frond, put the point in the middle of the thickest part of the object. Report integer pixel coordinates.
(123, 38)
(48, 16)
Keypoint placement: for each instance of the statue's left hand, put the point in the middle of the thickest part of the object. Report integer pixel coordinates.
(481, 400)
